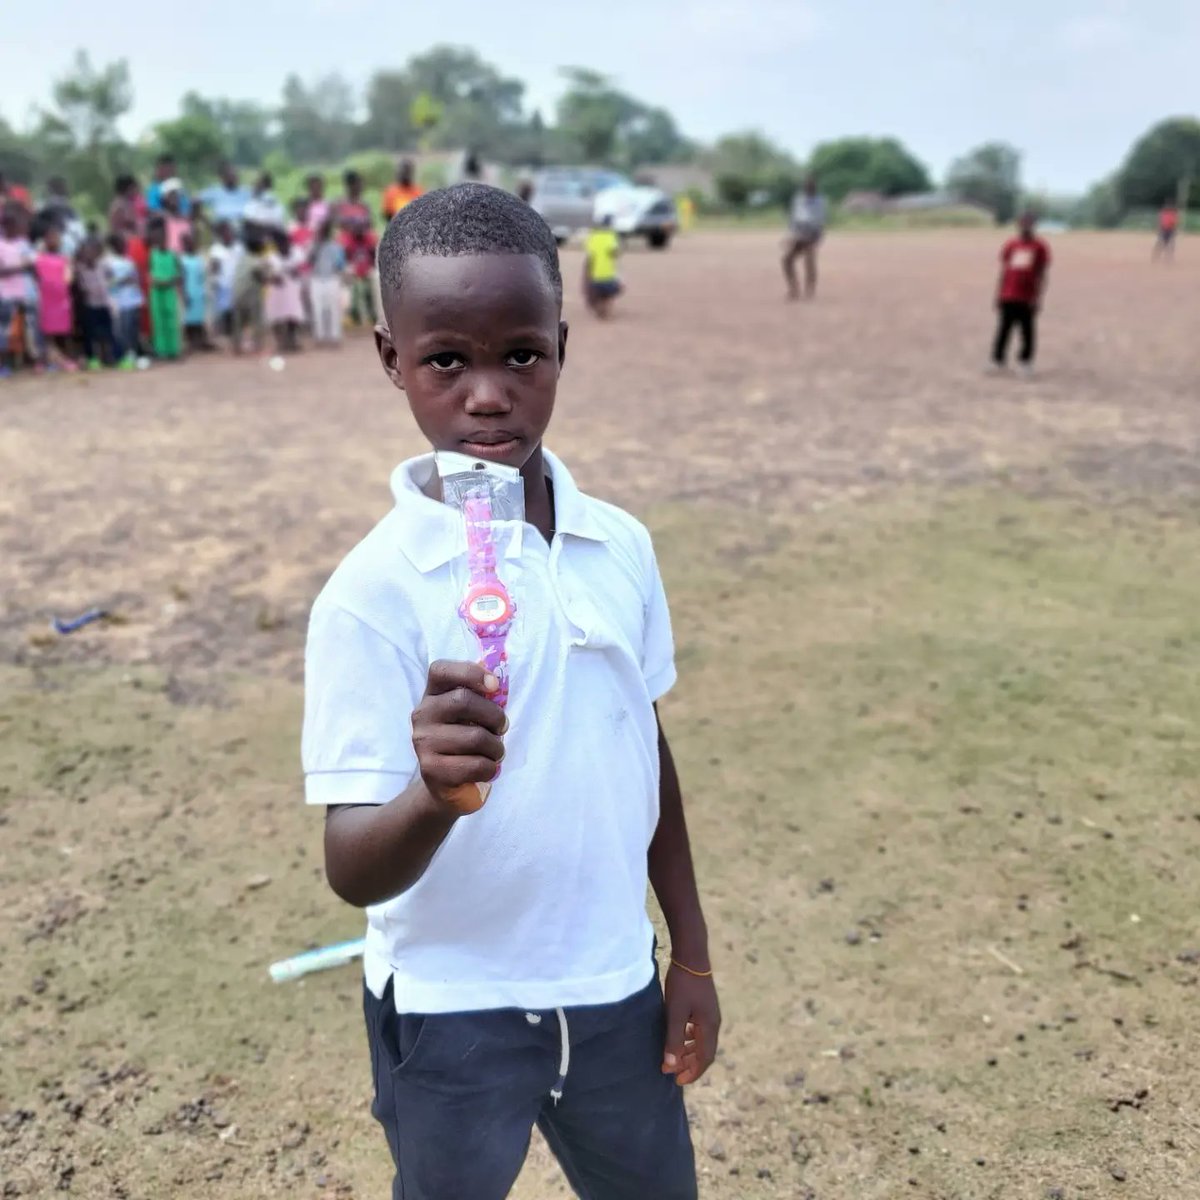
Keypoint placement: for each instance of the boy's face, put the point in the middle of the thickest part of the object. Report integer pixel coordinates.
(477, 343)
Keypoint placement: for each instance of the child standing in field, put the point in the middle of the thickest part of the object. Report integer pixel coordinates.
(359, 243)
(600, 283)
(510, 972)
(54, 301)
(16, 274)
(249, 277)
(165, 285)
(223, 256)
(126, 297)
(1024, 263)
(195, 295)
(328, 265)
(285, 301)
(99, 340)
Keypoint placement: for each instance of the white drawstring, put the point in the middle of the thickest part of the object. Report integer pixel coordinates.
(564, 1062)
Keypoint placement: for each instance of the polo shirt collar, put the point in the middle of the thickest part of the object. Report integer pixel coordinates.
(431, 534)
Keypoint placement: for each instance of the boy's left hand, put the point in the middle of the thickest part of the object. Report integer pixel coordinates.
(693, 1023)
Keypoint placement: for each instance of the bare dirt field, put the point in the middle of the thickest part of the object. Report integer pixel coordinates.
(939, 650)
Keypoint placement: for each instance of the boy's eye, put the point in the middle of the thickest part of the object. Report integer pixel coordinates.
(523, 358)
(446, 361)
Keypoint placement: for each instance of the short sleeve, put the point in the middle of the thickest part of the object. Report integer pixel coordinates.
(359, 694)
(658, 646)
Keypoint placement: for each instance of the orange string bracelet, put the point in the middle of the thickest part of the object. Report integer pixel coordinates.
(697, 974)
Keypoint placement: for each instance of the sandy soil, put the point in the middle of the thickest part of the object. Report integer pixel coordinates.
(922, 883)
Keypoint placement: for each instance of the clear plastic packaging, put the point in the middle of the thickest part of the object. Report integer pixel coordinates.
(491, 500)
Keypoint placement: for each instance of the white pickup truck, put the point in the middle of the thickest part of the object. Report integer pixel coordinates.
(571, 198)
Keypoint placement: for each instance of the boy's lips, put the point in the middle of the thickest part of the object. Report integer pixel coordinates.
(485, 444)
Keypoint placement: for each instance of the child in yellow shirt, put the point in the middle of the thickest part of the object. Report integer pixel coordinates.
(601, 286)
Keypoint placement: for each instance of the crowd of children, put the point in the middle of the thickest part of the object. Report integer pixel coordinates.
(176, 275)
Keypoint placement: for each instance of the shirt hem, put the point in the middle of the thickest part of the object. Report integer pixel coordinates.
(421, 996)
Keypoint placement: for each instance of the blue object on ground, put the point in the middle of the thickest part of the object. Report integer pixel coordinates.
(92, 614)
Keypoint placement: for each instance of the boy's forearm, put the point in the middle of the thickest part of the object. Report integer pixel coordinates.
(375, 852)
(672, 874)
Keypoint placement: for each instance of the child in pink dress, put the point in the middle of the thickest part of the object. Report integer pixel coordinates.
(285, 295)
(53, 270)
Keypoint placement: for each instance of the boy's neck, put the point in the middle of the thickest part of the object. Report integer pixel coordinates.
(539, 508)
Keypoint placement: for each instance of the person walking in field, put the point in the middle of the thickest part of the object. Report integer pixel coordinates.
(1024, 264)
(806, 220)
(1168, 228)
(510, 973)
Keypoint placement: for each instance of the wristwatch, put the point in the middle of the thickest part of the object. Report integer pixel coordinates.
(487, 607)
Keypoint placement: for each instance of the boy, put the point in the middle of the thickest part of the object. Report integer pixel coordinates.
(806, 220)
(1024, 262)
(509, 970)
(600, 283)
(1168, 227)
(403, 191)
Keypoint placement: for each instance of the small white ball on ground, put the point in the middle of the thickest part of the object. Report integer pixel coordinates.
(276, 363)
(143, 363)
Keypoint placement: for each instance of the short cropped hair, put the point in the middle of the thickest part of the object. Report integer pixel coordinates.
(469, 218)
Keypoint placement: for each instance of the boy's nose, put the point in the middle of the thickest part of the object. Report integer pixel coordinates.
(488, 395)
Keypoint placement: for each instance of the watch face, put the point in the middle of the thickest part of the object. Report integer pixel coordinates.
(488, 604)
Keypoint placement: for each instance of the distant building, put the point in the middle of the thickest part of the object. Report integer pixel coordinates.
(677, 178)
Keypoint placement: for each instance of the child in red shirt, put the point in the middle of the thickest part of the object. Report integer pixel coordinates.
(1168, 226)
(1024, 261)
(360, 242)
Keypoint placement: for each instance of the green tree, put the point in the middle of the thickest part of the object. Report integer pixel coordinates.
(316, 122)
(1162, 160)
(244, 124)
(479, 108)
(745, 165)
(389, 102)
(19, 159)
(867, 164)
(80, 134)
(599, 123)
(592, 114)
(197, 144)
(653, 137)
(989, 175)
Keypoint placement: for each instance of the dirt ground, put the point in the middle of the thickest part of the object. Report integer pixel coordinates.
(939, 654)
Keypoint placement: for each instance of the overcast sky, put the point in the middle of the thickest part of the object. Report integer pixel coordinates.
(1069, 82)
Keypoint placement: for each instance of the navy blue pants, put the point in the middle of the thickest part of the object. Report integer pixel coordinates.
(458, 1095)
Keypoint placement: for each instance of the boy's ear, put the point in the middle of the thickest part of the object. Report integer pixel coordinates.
(388, 355)
(563, 330)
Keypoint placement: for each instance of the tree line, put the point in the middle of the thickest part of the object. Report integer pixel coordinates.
(450, 98)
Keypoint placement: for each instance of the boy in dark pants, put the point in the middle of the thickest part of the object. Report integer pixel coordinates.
(1024, 262)
(510, 978)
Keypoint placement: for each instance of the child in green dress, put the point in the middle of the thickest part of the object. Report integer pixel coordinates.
(166, 281)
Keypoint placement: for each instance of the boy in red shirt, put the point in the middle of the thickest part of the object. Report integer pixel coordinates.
(1168, 226)
(1024, 261)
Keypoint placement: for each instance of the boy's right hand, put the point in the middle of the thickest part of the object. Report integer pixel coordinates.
(457, 731)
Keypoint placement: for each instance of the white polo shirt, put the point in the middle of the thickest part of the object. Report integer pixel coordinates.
(538, 900)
